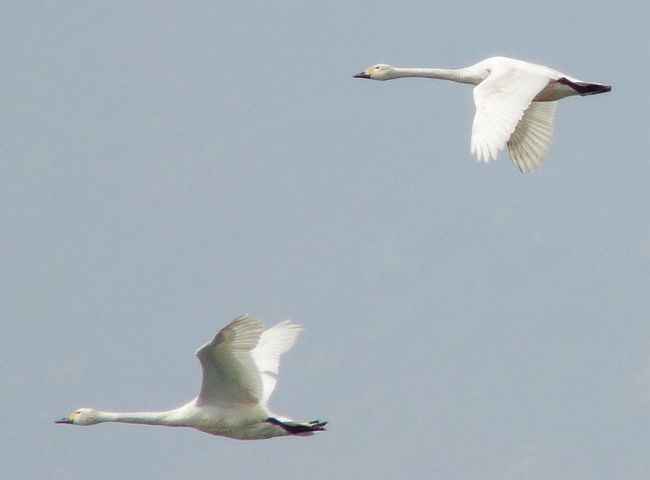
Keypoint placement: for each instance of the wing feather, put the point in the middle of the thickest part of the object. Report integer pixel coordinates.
(229, 372)
(501, 100)
(273, 343)
(239, 362)
(531, 140)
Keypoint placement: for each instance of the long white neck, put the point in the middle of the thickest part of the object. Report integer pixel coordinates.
(167, 418)
(461, 75)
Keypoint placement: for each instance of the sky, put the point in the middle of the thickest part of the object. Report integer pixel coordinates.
(167, 166)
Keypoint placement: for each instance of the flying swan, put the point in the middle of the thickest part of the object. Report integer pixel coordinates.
(515, 104)
(237, 383)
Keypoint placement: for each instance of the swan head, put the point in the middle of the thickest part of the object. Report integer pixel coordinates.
(381, 71)
(81, 416)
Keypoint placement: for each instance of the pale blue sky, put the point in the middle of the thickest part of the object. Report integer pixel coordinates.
(168, 166)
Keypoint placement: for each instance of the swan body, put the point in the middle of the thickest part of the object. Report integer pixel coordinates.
(238, 368)
(515, 103)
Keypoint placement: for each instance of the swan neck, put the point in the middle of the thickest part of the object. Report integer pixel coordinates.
(144, 418)
(455, 75)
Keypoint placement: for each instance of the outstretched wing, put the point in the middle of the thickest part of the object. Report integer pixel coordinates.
(529, 144)
(237, 364)
(229, 372)
(501, 100)
(274, 342)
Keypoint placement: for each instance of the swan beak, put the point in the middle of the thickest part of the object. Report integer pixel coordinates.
(362, 75)
(63, 420)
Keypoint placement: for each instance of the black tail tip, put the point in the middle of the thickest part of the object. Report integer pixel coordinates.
(317, 425)
(591, 88)
(297, 428)
(584, 88)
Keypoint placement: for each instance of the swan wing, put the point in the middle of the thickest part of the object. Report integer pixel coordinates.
(501, 100)
(230, 375)
(273, 343)
(529, 143)
(239, 363)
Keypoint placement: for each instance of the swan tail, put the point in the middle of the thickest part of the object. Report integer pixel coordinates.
(298, 428)
(585, 88)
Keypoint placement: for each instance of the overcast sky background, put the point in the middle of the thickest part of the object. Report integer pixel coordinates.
(168, 166)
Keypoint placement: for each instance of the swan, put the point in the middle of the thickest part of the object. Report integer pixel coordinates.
(237, 382)
(515, 103)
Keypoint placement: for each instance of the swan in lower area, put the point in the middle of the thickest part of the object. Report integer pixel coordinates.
(237, 382)
(515, 103)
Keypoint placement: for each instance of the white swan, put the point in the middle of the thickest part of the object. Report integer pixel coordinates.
(515, 103)
(237, 383)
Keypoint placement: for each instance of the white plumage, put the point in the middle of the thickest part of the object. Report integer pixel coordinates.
(515, 104)
(238, 368)
(238, 362)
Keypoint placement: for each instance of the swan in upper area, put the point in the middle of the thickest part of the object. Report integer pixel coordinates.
(515, 103)
(237, 383)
